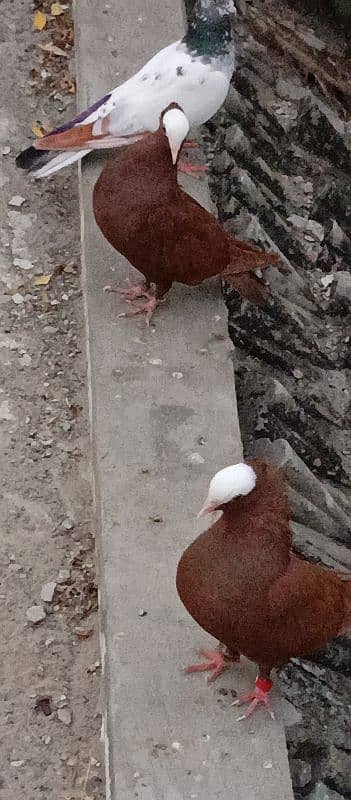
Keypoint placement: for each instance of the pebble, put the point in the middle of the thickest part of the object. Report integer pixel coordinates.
(17, 763)
(64, 715)
(5, 151)
(26, 360)
(64, 576)
(142, 612)
(22, 263)
(195, 458)
(177, 375)
(297, 373)
(67, 524)
(48, 591)
(17, 298)
(17, 201)
(35, 614)
(46, 739)
(156, 362)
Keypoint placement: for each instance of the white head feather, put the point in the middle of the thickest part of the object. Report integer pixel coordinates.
(228, 483)
(177, 127)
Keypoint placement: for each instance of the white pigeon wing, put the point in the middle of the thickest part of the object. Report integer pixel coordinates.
(172, 75)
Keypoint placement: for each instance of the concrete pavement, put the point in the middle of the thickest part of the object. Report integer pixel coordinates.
(164, 420)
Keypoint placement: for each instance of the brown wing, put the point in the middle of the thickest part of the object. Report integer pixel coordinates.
(307, 605)
(188, 243)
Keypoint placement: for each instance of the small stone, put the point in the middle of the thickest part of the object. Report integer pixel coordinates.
(268, 765)
(40, 671)
(67, 524)
(22, 263)
(155, 362)
(297, 373)
(177, 375)
(301, 773)
(176, 746)
(18, 298)
(195, 458)
(343, 286)
(64, 576)
(35, 614)
(142, 612)
(17, 201)
(17, 763)
(26, 360)
(5, 151)
(46, 739)
(322, 792)
(65, 715)
(327, 280)
(48, 591)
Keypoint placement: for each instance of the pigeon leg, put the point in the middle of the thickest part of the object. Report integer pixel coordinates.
(135, 290)
(259, 696)
(216, 662)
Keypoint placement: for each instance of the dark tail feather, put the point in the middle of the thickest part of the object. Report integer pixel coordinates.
(240, 273)
(31, 158)
(250, 287)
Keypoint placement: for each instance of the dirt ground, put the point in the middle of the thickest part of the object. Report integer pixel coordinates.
(50, 677)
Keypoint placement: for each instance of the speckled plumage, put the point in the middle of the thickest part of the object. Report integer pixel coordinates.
(194, 71)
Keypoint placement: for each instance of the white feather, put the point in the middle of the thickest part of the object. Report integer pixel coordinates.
(173, 75)
(231, 482)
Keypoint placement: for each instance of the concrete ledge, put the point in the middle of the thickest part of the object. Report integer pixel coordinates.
(163, 420)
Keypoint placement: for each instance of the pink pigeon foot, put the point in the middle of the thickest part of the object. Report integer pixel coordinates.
(260, 695)
(146, 308)
(134, 291)
(191, 169)
(216, 661)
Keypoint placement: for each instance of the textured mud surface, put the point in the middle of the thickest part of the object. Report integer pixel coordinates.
(49, 646)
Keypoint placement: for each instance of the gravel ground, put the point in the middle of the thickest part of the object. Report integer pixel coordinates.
(50, 668)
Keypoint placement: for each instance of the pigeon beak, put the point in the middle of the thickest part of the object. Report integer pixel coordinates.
(175, 147)
(207, 508)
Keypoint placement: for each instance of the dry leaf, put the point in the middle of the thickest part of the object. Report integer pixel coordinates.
(37, 131)
(49, 47)
(56, 9)
(84, 633)
(42, 280)
(39, 21)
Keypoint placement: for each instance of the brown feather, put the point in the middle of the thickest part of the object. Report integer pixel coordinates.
(240, 581)
(161, 230)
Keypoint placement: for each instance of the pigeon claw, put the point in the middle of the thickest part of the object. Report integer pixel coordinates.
(216, 662)
(259, 696)
(146, 308)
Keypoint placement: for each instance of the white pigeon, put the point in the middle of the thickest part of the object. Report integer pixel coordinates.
(194, 72)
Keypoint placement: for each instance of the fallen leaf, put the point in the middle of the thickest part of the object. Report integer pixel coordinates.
(42, 280)
(37, 131)
(44, 704)
(84, 633)
(39, 21)
(49, 47)
(56, 9)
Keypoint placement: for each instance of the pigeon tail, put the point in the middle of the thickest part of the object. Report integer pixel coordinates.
(240, 273)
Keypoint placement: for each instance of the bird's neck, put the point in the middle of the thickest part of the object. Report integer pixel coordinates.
(152, 162)
(208, 36)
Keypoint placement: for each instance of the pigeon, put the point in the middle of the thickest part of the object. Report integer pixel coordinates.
(164, 233)
(242, 583)
(194, 71)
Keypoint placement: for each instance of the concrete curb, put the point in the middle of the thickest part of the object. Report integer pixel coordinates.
(163, 419)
